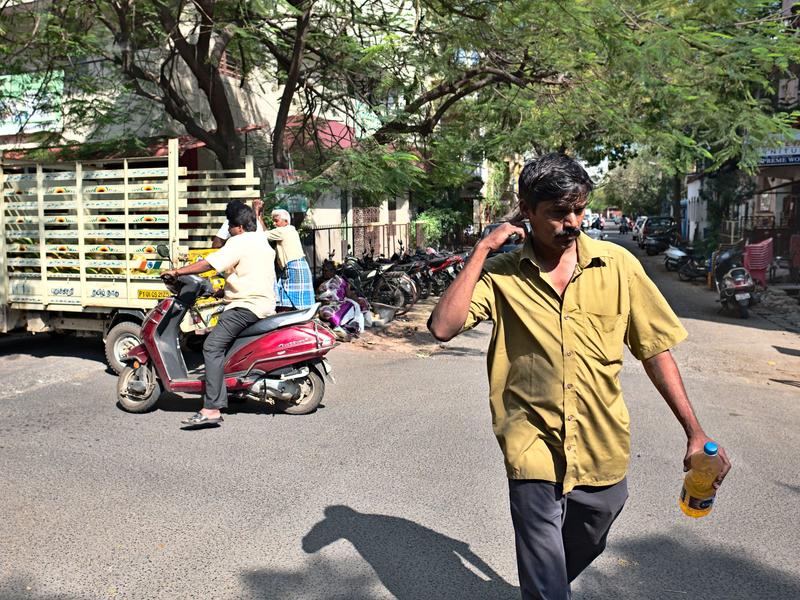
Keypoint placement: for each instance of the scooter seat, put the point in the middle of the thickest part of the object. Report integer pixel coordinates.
(274, 322)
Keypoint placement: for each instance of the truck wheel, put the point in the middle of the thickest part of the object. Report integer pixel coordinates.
(121, 338)
(138, 390)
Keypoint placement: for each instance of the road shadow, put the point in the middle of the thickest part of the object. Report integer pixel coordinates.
(169, 402)
(789, 382)
(681, 566)
(19, 587)
(787, 351)
(43, 345)
(411, 561)
(791, 487)
(460, 351)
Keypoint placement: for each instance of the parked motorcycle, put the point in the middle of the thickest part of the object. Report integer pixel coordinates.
(734, 283)
(675, 257)
(693, 269)
(279, 360)
(369, 280)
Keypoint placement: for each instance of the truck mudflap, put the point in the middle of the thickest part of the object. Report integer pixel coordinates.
(137, 353)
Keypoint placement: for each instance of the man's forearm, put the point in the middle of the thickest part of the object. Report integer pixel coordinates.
(663, 372)
(450, 314)
(195, 268)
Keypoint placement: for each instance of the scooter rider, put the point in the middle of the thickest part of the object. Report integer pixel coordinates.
(249, 295)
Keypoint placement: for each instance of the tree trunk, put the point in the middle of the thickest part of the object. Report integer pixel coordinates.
(280, 157)
(677, 189)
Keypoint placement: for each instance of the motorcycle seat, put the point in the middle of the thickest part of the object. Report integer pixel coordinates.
(273, 322)
(435, 262)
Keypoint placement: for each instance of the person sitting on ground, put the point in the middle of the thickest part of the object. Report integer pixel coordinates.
(249, 296)
(223, 234)
(295, 286)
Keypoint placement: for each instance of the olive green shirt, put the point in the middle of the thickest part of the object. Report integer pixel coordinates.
(554, 364)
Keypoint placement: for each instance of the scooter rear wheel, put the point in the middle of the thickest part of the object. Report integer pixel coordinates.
(132, 400)
(742, 308)
(312, 391)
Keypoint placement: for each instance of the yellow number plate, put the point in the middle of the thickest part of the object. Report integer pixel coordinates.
(152, 294)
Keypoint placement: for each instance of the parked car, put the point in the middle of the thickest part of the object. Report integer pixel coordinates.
(512, 243)
(596, 234)
(655, 226)
(637, 227)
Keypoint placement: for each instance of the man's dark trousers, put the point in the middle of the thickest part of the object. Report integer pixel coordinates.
(231, 323)
(558, 535)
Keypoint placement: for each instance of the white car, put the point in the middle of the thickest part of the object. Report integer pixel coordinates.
(637, 227)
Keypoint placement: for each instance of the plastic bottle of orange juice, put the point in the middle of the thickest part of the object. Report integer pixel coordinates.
(697, 495)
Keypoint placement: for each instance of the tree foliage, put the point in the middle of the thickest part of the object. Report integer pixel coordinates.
(638, 187)
(448, 83)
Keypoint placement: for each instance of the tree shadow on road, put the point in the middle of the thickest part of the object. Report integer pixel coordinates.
(789, 382)
(411, 561)
(787, 351)
(19, 587)
(461, 351)
(657, 567)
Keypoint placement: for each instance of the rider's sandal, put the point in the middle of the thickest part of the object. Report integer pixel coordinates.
(201, 420)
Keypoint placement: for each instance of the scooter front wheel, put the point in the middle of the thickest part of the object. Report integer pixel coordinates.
(312, 389)
(138, 390)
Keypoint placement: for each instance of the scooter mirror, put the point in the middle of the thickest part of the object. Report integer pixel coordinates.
(163, 250)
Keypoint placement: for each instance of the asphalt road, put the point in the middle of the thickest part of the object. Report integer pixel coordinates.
(395, 489)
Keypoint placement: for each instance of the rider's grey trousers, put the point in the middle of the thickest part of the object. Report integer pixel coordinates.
(231, 323)
(558, 535)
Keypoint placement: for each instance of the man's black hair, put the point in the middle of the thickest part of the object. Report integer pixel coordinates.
(239, 214)
(555, 177)
(231, 207)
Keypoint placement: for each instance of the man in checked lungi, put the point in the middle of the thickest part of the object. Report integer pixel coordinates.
(294, 286)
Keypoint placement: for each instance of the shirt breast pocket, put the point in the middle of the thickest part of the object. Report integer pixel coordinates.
(605, 336)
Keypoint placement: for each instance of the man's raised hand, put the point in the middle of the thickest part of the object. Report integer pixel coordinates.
(497, 238)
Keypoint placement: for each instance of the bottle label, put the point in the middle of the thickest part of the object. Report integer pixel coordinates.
(696, 503)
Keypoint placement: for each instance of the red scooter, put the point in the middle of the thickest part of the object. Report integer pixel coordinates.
(278, 360)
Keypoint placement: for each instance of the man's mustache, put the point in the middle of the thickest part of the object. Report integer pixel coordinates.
(568, 232)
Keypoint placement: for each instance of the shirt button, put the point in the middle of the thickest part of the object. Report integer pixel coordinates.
(566, 317)
(569, 352)
(570, 418)
(569, 447)
(569, 386)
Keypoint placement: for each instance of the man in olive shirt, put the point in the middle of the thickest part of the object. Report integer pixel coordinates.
(249, 263)
(563, 306)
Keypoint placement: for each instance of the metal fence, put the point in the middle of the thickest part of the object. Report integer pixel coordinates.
(378, 238)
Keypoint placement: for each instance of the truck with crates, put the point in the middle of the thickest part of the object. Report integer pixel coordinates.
(78, 242)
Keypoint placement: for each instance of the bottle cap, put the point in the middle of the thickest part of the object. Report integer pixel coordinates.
(710, 448)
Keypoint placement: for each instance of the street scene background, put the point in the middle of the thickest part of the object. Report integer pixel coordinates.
(390, 131)
(394, 488)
